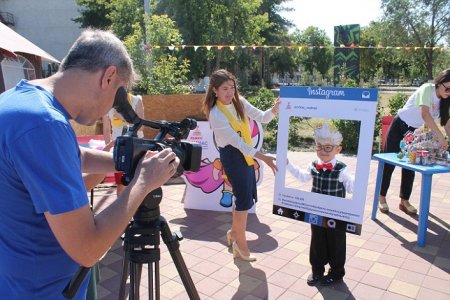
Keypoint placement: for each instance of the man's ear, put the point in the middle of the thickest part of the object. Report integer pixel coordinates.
(338, 149)
(108, 76)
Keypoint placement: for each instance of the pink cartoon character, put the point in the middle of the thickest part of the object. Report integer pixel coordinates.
(211, 175)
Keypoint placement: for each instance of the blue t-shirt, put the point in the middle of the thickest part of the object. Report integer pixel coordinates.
(40, 170)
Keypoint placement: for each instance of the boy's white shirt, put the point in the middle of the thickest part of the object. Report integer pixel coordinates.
(305, 175)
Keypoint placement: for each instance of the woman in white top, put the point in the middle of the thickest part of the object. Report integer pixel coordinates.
(113, 123)
(228, 114)
(429, 102)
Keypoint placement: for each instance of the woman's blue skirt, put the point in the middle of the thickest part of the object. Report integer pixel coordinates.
(241, 176)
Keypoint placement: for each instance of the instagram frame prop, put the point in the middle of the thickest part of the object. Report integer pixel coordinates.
(356, 104)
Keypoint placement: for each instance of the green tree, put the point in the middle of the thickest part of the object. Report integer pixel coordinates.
(395, 59)
(160, 70)
(229, 22)
(427, 23)
(93, 13)
(319, 55)
(123, 14)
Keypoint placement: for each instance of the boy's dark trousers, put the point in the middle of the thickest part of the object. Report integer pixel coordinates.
(328, 246)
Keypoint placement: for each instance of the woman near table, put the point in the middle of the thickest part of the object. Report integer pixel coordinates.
(429, 102)
(227, 113)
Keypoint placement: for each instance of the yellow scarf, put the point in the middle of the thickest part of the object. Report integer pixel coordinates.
(242, 127)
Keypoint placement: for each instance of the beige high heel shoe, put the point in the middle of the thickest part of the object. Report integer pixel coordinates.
(238, 254)
(229, 239)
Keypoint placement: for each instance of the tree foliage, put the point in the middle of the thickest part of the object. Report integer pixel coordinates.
(427, 23)
(407, 27)
(229, 22)
(320, 57)
(93, 13)
(161, 71)
(123, 14)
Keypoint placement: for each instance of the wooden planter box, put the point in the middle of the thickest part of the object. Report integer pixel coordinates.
(157, 108)
(172, 108)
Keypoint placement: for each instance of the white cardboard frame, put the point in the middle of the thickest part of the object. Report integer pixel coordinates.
(333, 103)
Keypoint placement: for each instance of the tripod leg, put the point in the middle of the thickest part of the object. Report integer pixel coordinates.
(173, 245)
(135, 277)
(123, 281)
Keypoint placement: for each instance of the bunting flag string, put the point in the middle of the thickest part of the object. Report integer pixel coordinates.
(299, 47)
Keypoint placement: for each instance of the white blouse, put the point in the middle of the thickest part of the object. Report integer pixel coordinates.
(225, 134)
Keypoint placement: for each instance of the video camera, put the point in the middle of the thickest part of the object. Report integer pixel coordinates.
(129, 149)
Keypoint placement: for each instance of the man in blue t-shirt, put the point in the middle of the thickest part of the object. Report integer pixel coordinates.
(47, 229)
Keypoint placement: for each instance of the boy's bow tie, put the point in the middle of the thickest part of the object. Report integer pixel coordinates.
(327, 166)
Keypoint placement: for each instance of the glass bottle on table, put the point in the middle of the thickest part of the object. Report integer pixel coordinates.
(403, 149)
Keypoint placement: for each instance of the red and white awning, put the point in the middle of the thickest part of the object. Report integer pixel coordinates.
(12, 43)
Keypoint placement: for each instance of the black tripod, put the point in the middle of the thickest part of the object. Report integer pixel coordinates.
(141, 246)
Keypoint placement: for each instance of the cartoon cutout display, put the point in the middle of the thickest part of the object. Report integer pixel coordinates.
(211, 175)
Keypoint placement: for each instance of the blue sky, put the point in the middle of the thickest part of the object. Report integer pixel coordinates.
(325, 14)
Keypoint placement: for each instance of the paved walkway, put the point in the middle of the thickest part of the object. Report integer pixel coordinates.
(383, 263)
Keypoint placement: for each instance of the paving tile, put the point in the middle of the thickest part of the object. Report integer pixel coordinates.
(209, 286)
(394, 296)
(416, 266)
(391, 260)
(360, 263)
(437, 272)
(368, 254)
(246, 283)
(427, 294)
(410, 277)
(442, 262)
(384, 262)
(376, 280)
(385, 270)
(282, 279)
(404, 288)
(330, 293)
(437, 284)
(364, 291)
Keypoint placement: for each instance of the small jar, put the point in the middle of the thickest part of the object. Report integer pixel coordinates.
(412, 157)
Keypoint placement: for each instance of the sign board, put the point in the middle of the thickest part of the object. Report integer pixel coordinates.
(329, 103)
(207, 189)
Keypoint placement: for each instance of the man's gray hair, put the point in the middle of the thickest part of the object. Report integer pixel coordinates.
(96, 50)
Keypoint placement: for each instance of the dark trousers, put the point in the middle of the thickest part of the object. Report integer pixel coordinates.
(328, 246)
(395, 134)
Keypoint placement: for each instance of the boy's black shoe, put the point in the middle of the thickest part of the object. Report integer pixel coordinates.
(330, 279)
(313, 279)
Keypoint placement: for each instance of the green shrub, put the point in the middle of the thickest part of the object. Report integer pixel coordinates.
(264, 99)
(377, 128)
(350, 134)
(396, 102)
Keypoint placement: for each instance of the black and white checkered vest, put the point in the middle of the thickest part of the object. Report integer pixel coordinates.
(326, 181)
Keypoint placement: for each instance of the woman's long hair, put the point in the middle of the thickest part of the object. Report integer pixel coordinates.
(444, 103)
(217, 79)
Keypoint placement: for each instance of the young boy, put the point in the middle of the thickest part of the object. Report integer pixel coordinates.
(330, 177)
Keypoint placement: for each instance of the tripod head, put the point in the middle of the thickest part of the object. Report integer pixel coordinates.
(148, 212)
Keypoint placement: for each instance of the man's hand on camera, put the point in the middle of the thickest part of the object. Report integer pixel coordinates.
(155, 168)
